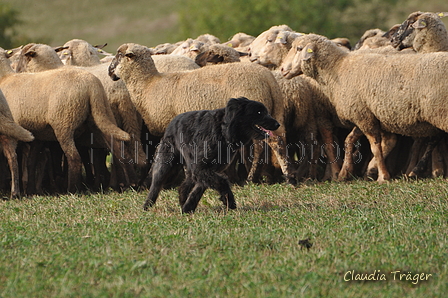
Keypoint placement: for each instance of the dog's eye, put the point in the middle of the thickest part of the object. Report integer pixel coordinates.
(259, 112)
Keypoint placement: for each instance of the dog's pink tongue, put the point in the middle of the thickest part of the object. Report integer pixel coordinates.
(267, 131)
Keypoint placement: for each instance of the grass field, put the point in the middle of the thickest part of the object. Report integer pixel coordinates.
(105, 245)
(98, 21)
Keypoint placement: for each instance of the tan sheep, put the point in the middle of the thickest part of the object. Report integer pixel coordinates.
(305, 104)
(159, 97)
(216, 54)
(189, 48)
(240, 41)
(165, 48)
(54, 104)
(40, 57)
(425, 33)
(376, 92)
(10, 133)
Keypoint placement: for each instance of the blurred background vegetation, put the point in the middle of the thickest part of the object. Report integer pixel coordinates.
(152, 22)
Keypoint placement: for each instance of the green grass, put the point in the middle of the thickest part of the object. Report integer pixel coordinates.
(105, 245)
(98, 21)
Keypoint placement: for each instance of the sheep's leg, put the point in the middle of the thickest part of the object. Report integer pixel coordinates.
(437, 163)
(26, 148)
(330, 147)
(123, 160)
(9, 149)
(193, 198)
(314, 157)
(256, 168)
(348, 164)
(388, 142)
(31, 163)
(278, 145)
(414, 156)
(424, 160)
(65, 138)
(374, 138)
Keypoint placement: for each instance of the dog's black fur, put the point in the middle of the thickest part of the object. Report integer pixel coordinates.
(205, 143)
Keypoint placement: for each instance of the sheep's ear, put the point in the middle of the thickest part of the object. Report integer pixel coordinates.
(307, 52)
(100, 46)
(129, 54)
(442, 14)
(31, 54)
(242, 54)
(58, 49)
(419, 24)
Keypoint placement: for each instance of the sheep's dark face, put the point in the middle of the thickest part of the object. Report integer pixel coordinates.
(405, 34)
(114, 67)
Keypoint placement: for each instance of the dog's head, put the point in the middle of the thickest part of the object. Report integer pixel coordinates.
(247, 119)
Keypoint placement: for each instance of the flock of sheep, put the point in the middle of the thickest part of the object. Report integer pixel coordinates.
(77, 117)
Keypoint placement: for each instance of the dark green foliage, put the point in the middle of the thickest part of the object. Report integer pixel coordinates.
(342, 18)
(8, 19)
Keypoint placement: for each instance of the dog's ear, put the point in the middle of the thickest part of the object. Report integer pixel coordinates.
(234, 105)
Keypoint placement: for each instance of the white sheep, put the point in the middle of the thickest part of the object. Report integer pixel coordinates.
(159, 97)
(396, 93)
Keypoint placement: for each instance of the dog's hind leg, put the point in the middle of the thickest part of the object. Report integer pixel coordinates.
(185, 189)
(161, 171)
(193, 198)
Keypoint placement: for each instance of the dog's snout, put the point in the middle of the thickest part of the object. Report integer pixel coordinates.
(277, 125)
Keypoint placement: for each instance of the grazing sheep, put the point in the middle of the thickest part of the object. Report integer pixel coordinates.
(159, 97)
(376, 92)
(208, 39)
(54, 104)
(10, 133)
(189, 48)
(165, 48)
(173, 63)
(217, 54)
(240, 40)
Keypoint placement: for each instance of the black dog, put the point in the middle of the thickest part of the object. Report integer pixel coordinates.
(205, 143)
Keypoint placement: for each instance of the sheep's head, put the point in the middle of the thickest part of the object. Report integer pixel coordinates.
(291, 65)
(304, 51)
(38, 57)
(131, 56)
(405, 35)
